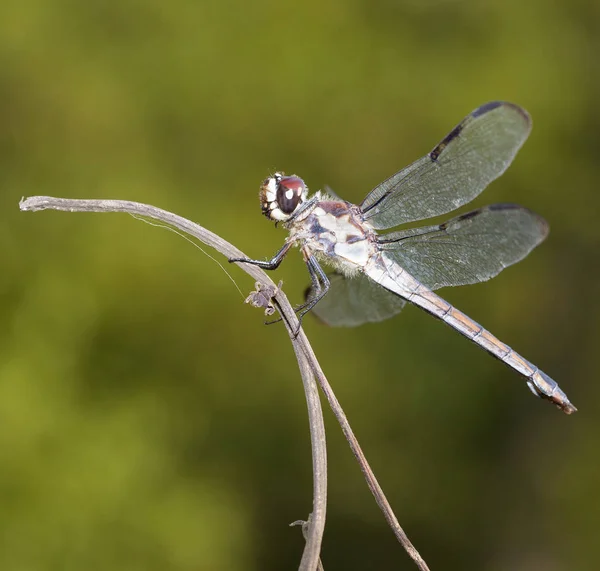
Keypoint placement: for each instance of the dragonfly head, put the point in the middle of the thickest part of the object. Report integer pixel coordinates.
(280, 196)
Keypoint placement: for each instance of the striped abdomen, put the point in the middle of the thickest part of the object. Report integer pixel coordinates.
(410, 289)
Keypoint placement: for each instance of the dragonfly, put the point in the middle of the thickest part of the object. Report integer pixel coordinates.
(376, 273)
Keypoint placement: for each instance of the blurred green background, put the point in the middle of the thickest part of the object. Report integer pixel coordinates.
(149, 421)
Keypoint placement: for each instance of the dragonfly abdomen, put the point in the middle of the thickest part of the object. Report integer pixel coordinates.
(397, 280)
(539, 382)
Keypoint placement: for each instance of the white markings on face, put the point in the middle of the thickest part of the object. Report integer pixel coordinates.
(277, 214)
(271, 188)
(281, 196)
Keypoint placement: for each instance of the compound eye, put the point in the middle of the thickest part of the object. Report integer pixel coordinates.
(290, 192)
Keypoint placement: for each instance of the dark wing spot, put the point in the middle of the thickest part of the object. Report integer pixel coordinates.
(466, 216)
(434, 155)
(495, 104)
(486, 107)
(471, 214)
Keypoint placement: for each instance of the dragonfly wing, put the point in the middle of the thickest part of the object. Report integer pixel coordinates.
(470, 248)
(353, 301)
(477, 151)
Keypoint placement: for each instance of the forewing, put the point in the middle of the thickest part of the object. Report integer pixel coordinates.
(353, 301)
(468, 249)
(478, 150)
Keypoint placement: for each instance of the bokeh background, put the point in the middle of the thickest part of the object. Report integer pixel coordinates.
(148, 420)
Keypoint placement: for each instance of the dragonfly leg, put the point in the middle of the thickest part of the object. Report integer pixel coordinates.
(271, 264)
(320, 287)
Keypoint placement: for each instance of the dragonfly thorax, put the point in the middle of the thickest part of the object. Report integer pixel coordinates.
(280, 196)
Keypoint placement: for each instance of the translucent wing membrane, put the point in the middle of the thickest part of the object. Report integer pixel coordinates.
(468, 249)
(478, 150)
(352, 301)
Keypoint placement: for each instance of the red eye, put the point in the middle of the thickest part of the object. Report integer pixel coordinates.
(289, 193)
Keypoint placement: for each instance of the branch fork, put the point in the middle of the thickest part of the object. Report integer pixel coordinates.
(267, 296)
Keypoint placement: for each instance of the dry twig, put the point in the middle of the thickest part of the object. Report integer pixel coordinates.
(307, 362)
